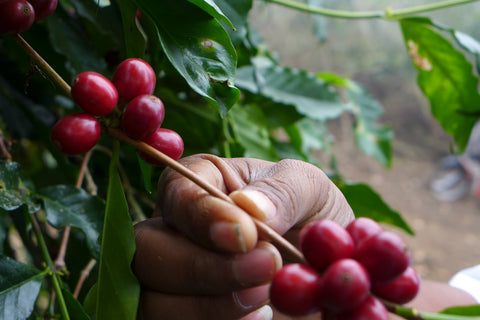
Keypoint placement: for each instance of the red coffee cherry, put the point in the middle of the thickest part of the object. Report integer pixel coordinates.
(94, 93)
(143, 116)
(43, 8)
(294, 290)
(345, 285)
(76, 133)
(370, 309)
(401, 290)
(385, 256)
(325, 241)
(134, 77)
(16, 16)
(363, 228)
(164, 140)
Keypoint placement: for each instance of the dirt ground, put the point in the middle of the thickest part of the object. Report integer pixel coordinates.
(447, 233)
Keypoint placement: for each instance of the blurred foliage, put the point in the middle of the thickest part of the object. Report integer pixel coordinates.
(225, 93)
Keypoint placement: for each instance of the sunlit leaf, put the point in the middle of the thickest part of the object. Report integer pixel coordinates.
(319, 21)
(19, 288)
(117, 287)
(311, 97)
(213, 9)
(252, 132)
(445, 77)
(198, 47)
(472, 310)
(365, 202)
(237, 11)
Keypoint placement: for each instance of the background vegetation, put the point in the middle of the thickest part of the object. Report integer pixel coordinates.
(235, 98)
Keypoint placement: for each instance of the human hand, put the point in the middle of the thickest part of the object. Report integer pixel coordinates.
(200, 257)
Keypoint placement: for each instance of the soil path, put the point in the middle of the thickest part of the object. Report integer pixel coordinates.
(447, 233)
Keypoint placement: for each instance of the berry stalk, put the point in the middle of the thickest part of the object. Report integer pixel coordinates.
(280, 242)
(290, 250)
(43, 65)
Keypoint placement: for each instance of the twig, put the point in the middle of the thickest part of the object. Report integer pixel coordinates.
(4, 154)
(60, 260)
(83, 276)
(262, 228)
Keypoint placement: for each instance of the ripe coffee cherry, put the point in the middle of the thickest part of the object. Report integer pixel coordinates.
(294, 290)
(143, 116)
(345, 285)
(164, 140)
(94, 93)
(401, 290)
(43, 8)
(370, 309)
(363, 228)
(16, 16)
(325, 241)
(385, 256)
(76, 133)
(134, 77)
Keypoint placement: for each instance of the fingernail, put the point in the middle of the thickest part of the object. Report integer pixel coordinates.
(264, 313)
(257, 266)
(228, 236)
(256, 203)
(253, 297)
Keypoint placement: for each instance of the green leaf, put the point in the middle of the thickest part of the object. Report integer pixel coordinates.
(312, 97)
(13, 194)
(237, 11)
(445, 77)
(365, 202)
(134, 40)
(71, 206)
(117, 287)
(5, 223)
(69, 39)
(210, 7)
(371, 138)
(319, 21)
(198, 47)
(375, 141)
(473, 310)
(75, 309)
(252, 131)
(19, 288)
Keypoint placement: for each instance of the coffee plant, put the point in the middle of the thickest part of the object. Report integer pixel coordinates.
(98, 96)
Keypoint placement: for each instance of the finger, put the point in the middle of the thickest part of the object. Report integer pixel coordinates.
(206, 219)
(155, 305)
(167, 262)
(264, 313)
(290, 193)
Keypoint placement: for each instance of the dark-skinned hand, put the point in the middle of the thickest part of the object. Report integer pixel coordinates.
(200, 257)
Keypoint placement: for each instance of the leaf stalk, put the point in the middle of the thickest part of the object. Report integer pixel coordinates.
(51, 266)
(388, 13)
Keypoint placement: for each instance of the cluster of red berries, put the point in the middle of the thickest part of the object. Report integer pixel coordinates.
(349, 272)
(17, 16)
(140, 113)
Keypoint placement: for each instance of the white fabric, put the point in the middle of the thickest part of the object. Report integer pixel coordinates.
(468, 280)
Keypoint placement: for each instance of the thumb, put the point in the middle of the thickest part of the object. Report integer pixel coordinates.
(290, 194)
